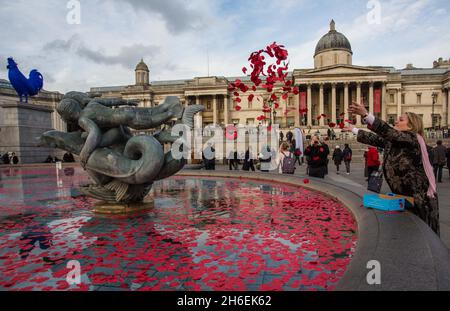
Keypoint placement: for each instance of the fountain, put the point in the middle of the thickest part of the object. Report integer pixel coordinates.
(122, 166)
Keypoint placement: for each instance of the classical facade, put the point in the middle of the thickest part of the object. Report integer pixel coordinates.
(327, 89)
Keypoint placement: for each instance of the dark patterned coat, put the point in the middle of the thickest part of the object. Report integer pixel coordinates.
(403, 168)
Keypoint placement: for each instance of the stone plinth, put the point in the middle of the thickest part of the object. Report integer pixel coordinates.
(21, 124)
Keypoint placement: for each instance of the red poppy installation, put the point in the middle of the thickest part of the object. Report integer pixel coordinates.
(254, 236)
(271, 65)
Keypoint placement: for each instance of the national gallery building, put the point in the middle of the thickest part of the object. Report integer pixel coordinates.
(327, 89)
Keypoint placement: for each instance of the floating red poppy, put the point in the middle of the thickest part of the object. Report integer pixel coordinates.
(238, 108)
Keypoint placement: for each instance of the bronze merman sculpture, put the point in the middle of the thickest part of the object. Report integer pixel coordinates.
(122, 166)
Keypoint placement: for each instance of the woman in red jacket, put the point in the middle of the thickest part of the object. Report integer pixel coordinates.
(373, 160)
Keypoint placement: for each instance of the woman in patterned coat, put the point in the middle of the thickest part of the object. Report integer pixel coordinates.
(406, 165)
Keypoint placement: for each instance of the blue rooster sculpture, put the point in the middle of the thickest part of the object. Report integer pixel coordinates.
(23, 86)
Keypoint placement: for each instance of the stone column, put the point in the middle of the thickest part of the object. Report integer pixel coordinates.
(358, 100)
(333, 103)
(383, 102)
(399, 102)
(321, 105)
(444, 107)
(215, 115)
(346, 100)
(199, 116)
(371, 97)
(309, 104)
(226, 105)
(297, 110)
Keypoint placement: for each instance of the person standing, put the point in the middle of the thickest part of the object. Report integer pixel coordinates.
(317, 158)
(297, 153)
(281, 137)
(248, 161)
(347, 154)
(337, 158)
(233, 160)
(327, 151)
(265, 159)
(209, 158)
(447, 154)
(285, 160)
(5, 158)
(406, 167)
(373, 160)
(289, 136)
(439, 160)
(366, 170)
(14, 158)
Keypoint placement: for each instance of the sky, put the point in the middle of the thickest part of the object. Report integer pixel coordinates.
(179, 38)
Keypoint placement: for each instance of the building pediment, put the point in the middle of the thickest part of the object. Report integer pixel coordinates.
(343, 70)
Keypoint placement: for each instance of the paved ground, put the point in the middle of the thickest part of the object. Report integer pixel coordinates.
(356, 180)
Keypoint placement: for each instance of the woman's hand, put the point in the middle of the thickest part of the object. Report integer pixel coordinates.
(348, 128)
(358, 109)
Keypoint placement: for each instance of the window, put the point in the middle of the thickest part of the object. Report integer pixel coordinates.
(336, 58)
(392, 99)
(208, 105)
(249, 104)
(290, 102)
(403, 99)
(251, 121)
(348, 59)
(419, 98)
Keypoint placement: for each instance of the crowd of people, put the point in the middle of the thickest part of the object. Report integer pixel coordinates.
(12, 158)
(9, 158)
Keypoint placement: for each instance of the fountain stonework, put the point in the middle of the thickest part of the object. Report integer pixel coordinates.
(121, 165)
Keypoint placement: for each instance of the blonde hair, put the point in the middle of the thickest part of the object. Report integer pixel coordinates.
(415, 123)
(284, 146)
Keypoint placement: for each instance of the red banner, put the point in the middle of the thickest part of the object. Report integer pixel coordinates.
(302, 101)
(377, 101)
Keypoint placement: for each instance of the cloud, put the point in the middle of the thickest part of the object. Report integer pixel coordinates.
(127, 55)
(176, 13)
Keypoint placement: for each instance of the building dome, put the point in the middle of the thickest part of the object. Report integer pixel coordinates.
(142, 74)
(142, 66)
(333, 40)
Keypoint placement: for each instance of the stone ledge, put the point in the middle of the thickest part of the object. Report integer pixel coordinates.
(412, 257)
(30, 106)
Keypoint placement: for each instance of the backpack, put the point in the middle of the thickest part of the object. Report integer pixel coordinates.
(288, 165)
(348, 156)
